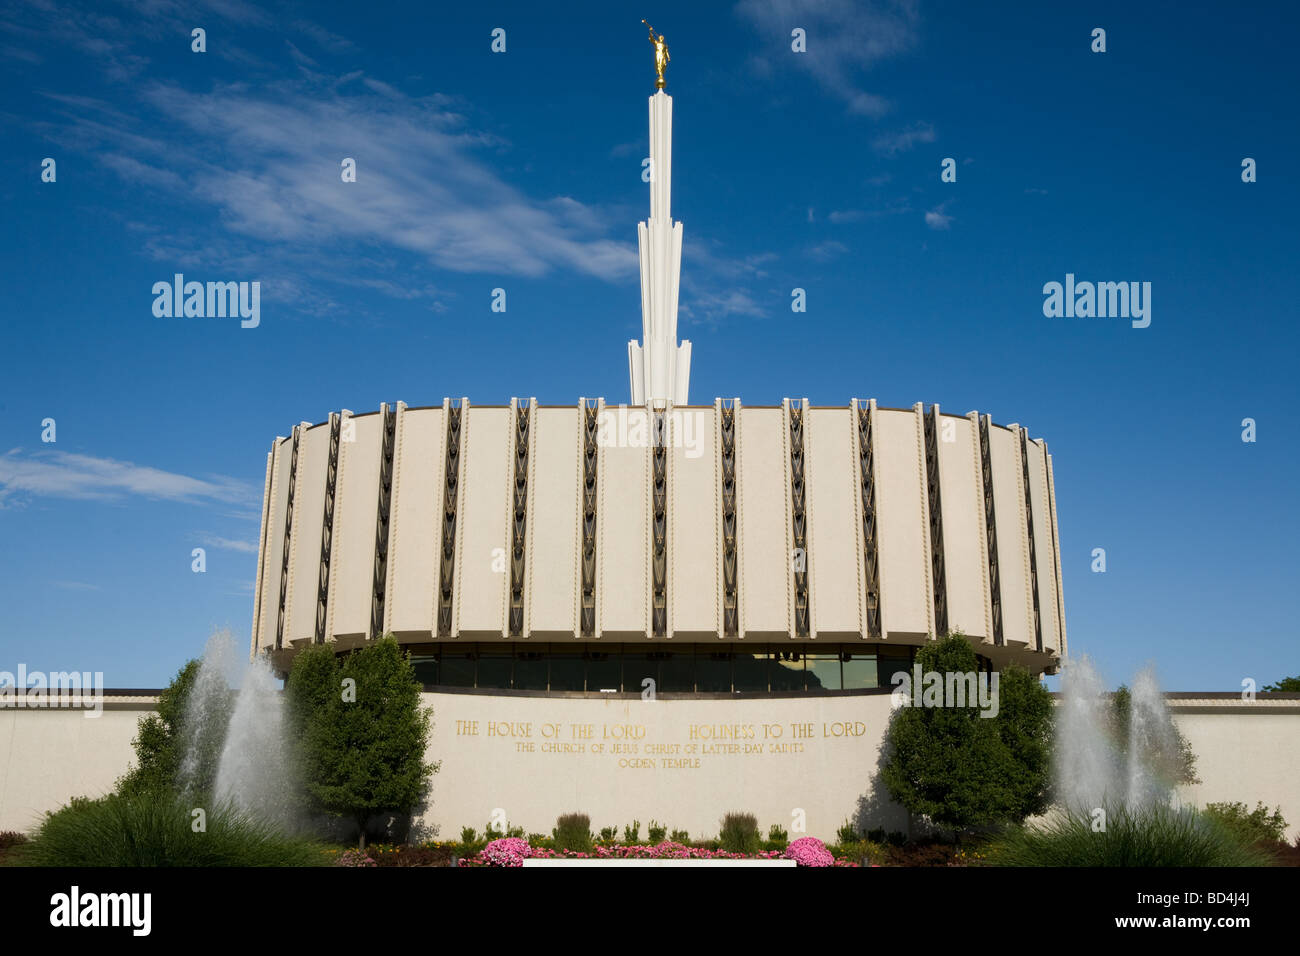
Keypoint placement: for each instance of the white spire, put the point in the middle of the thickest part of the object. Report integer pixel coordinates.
(659, 368)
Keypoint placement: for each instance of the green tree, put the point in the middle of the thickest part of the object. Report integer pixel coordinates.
(1287, 685)
(157, 742)
(165, 738)
(1170, 760)
(362, 731)
(961, 769)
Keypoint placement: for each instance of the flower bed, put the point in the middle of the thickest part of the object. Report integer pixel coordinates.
(512, 852)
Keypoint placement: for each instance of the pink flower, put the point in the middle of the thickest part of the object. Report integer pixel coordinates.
(508, 851)
(809, 851)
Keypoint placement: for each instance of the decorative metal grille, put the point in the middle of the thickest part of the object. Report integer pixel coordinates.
(288, 539)
(936, 521)
(800, 556)
(379, 588)
(447, 567)
(327, 529)
(991, 529)
(1029, 524)
(519, 522)
(730, 589)
(659, 527)
(867, 465)
(590, 458)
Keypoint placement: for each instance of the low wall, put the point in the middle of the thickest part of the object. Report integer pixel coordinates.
(49, 756)
(683, 762)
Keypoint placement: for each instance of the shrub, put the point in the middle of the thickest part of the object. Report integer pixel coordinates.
(861, 852)
(608, 834)
(739, 833)
(778, 834)
(809, 851)
(680, 836)
(362, 753)
(573, 832)
(468, 835)
(1157, 837)
(848, 833)
(490, 834)
(632, 832)
(1253, 826)
(960, 768)
(156, 830)
(11, 838)
(656, 832)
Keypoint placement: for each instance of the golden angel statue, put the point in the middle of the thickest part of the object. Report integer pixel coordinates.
(661, 56)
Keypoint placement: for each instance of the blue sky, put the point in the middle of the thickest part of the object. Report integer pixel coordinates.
(521, 170)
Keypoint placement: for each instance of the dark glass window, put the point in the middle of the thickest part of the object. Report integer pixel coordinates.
(636, 668)
(787, 671)
(893, 660)
(750, 672)
(566, 669)
(426, 669)
(823, 672)
(457, 668)
(494, 667)
(530, 669)
(713, 672)
(603, 670)
(677, 672)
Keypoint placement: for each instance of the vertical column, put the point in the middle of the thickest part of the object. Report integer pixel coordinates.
(388, 419)
(287, 551)
(726, 416)
(519, 516)
(590, 411)
(798, 517)
(936, 521)
(991, 529)
(870, 542)
(327, 530)
(451, 494)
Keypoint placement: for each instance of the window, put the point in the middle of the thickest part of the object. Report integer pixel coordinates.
(530, 669)
(823, 671)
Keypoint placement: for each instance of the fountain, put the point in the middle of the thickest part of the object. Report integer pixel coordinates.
(235, 744)
(1108, 759)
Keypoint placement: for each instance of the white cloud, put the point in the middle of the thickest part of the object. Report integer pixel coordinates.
(844, 39)
(891, 144)
(58, 474)
(227, 544)
(936, 218)
(825, 251)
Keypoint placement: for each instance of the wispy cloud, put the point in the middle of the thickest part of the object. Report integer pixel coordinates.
(825, 251)
(936, 218)
(226, 544)
(58, 474)
(900, 141)
(845, 38)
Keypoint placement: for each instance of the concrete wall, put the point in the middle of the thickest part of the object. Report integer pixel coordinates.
(47, 757)
(536, 757)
